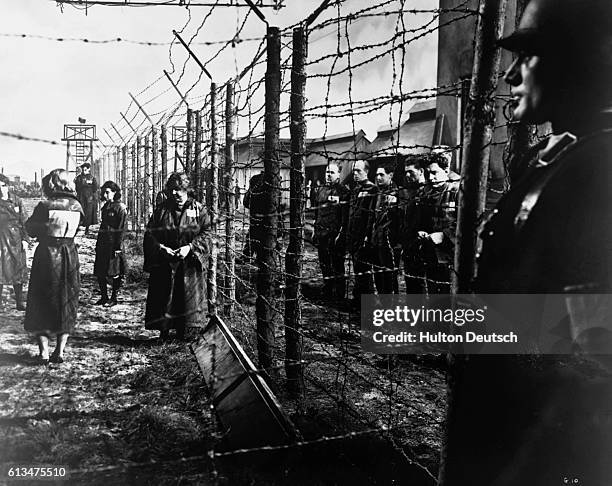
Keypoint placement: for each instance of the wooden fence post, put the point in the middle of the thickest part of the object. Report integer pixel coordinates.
(133, 195)
(138, 185)
(118, 167)
(189, 144)
(230, 232)
(478, 135)
(164, 155)
(197, 172)
(154, 165)
(214, 203)
(124, 172)
(479, 125)
(293, 258)
(145, 180)
(266, 260)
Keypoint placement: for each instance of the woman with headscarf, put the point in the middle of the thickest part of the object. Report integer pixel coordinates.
(13, 242)
(176, 249)
(109, 265)
(53, 292)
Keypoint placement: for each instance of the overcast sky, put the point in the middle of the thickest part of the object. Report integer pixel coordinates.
(45, 84)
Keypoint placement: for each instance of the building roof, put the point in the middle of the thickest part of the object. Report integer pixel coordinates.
(414, 135)
(344, 146)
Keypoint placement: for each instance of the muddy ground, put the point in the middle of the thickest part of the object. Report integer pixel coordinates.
(125, 409)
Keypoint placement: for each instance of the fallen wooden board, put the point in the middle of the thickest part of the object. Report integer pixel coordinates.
(247, 409)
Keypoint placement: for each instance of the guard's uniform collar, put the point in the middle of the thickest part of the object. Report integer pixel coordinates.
(556, 144)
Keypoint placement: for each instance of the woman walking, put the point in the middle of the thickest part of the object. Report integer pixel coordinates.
(176, 248)
(53, 292)
(13, 243)
(110, 266)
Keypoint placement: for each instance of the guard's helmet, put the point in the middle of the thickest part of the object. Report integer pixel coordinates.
(573, 26)
(573, 35)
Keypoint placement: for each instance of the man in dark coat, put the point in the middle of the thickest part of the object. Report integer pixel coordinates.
(13, 242)
(87, 192)
(436, 223)
(176, 248)
(547, 419)
(385, 232)
(254, 202)
(329, 203)
(414, 178)
(357, 228)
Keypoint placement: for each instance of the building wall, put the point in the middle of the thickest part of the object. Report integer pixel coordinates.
(455, 59)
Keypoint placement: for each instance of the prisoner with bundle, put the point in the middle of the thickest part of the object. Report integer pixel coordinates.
(176, 248)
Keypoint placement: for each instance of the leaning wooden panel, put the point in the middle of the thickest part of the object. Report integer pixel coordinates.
(248, 410)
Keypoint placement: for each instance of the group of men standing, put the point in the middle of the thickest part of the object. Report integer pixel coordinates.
(407, 218)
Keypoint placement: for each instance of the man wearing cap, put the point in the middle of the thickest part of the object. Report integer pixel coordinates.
(535, 419)
(87, 193)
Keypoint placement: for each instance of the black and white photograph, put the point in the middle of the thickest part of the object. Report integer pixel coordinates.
(306, 243)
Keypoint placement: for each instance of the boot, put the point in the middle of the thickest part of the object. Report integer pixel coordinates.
(103, 292)
(116, 286)
(18, 288)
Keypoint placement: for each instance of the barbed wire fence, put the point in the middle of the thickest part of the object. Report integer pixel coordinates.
(222, 137)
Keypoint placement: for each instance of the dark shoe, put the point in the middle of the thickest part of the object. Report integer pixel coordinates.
(112, 302)
(56, 358)
(20, 306)
(102, 301)
(42, 361)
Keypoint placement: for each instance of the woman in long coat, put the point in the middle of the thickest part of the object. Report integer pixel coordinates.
(53, 292)
(13, 242)
(110, 265)
(176, 247)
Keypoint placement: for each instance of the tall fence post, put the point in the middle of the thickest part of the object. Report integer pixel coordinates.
(124, 171)
(145, 180)
(479, 125)
(293, 259)
(197, 172)
(214, 203)
(230, 232)
(118, 167)
(164, 155)
(154, 165)
(133, 194)
(266, 260)
(138, 185)
(478, 135)
(189, 144)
